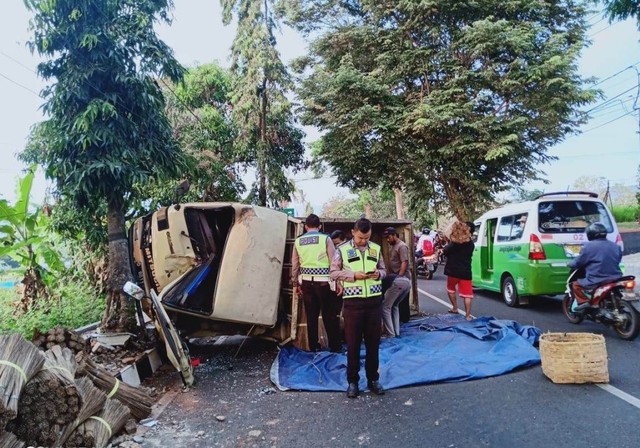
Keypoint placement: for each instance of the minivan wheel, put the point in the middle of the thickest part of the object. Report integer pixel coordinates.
(509, 291)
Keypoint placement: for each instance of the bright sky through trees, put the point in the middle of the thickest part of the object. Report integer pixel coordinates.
(609, 146)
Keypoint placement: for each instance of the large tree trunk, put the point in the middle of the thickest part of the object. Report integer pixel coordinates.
(262, 157)
(459, 202)
(399, 203)
(119, 313)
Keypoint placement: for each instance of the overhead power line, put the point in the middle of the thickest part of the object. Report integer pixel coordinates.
(20, 85)
(597, 107)
(608, 122)
(616, 74)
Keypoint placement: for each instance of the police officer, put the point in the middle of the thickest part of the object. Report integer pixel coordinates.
(359, 267)
(312, 254)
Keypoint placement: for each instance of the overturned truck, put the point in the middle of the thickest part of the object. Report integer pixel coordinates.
(224, 268)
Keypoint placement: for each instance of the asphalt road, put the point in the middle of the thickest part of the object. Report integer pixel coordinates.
(521, 409)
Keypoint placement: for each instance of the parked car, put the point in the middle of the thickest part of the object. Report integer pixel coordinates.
(522, 249)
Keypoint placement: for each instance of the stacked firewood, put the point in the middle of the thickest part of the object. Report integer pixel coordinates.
(98, 429)
(19, 362)
(57, 398)
(134, 398)
(63, 337)
(8, 440)
(50, 400)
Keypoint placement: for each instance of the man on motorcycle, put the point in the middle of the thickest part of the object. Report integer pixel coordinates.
(600, 259)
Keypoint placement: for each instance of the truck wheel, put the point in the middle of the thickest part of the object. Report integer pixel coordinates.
(509, 291)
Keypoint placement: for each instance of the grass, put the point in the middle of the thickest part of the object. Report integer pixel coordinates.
(73, 307)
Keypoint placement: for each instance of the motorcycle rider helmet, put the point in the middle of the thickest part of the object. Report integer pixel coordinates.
(426, 230)
(596, 231)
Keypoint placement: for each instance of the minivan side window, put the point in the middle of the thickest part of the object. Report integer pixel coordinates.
(571, 216)
(511, 227)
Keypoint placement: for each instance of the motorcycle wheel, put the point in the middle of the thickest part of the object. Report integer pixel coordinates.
(574, 318)
(630, 330)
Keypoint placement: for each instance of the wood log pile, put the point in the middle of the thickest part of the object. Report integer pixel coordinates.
(63, 337)
(134, 398)
(61, 397)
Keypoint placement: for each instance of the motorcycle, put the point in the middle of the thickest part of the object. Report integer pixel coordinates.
(613, 304)
(426, 266)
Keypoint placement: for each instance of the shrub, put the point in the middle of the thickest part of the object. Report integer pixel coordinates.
(625, 213)
(73, 305)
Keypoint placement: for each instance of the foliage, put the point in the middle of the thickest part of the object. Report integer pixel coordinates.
(107, 130)
(375, 204)
(625, 213)
(262, 115)
(199, 112)
(72, 306)
(26, 239)
(520, 194)
(621, 9)
(469, 95)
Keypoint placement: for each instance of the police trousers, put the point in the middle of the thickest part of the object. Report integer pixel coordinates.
(317, 297)
(362, 321)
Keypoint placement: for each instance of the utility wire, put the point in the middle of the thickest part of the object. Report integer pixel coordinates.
(608, 122)
(615, 74)
(612, 98)
(20, 85)
(17, 62)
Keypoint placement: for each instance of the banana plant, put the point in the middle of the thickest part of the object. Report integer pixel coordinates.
(25, 238)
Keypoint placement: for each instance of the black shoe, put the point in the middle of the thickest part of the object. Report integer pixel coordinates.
(353, 391)
(375, 387)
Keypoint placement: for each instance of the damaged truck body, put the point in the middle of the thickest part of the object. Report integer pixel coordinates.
(224, 268)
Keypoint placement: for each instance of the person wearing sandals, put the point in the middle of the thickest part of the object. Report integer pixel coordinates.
(458, 266)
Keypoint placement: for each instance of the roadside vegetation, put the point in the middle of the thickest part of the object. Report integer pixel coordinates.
(426, 110)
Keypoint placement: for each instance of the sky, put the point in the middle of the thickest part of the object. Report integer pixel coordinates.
(608, 147)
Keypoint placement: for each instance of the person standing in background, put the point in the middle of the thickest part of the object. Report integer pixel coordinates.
(399, 255)
(458, 267)
(358, 264)
(395, 287)
(311, 258)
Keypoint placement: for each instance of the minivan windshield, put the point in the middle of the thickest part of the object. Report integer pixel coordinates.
(571, 216)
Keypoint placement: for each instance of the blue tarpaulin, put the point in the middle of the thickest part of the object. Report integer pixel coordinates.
(442, 348)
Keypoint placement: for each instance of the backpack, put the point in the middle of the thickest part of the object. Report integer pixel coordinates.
(427, 248)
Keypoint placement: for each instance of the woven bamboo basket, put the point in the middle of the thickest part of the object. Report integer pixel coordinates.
(574, 357)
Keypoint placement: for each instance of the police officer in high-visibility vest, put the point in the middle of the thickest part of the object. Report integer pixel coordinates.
(359, 269)
(312, 254)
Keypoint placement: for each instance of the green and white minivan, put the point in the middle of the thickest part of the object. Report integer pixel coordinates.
(522, 249)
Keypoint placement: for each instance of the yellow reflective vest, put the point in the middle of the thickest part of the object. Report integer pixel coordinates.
(314, 261)
(356, 260)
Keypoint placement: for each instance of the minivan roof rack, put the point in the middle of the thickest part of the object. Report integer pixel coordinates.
(568, 193)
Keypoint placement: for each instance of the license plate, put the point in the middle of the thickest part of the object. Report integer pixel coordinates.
(572, 250)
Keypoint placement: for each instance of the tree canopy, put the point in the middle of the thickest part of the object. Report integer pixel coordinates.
(106, 128)
(621, 9)
(266, 132)
(454, 100)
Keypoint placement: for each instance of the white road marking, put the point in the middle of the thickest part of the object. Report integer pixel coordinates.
(439, 300)
(633, 401)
